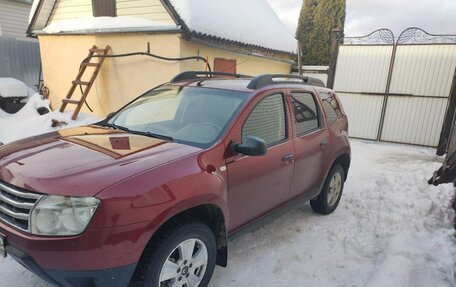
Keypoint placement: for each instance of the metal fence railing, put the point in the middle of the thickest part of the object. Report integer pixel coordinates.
(20, 59)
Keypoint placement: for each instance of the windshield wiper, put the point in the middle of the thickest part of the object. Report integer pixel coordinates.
(152, 135)
(114, 126)
(148, 134)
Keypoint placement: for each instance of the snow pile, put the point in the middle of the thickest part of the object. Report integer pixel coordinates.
(391, 229)
(106, 24)
(251, 22)
(28, 122)
(13, 88)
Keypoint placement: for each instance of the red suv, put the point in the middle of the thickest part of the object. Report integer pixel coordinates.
(149, 196)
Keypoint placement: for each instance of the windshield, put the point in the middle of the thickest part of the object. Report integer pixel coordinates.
(191, 115)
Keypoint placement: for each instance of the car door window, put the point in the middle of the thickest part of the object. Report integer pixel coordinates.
(306, 113)
(267, 120)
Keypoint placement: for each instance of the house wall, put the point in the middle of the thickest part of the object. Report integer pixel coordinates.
(14, 18)
(123, 79)
(71, 9)
(120, 80)
(146, 9)
(248, 65)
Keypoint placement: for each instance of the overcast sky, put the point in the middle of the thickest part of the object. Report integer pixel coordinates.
(365, 16)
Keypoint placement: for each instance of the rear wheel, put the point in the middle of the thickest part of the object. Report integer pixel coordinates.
(330, 195)
(182, 256)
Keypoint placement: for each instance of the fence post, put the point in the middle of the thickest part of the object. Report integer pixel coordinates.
(387, 91)
(335, 43)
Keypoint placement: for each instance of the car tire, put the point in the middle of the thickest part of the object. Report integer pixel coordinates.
(168, 255)
(331, 193)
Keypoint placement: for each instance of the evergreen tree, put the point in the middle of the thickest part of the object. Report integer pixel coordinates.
(318, 18)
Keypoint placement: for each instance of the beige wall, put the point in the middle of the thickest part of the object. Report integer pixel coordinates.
(248, 65)
(123, 79)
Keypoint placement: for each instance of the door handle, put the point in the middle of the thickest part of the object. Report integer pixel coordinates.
(324, 143)
(288, 157)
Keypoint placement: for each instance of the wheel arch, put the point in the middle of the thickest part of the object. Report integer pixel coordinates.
(210, 214)
(344, 160)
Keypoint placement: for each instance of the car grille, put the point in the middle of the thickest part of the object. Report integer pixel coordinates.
(16, 205)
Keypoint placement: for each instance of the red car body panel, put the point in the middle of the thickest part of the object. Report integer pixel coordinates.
(41, 164)
(143, 182)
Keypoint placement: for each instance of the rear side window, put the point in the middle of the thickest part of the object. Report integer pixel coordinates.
(306, 113)
(330, 106)
(267, 120)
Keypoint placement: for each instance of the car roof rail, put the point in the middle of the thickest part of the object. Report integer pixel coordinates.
(195, 75)
(268, 79)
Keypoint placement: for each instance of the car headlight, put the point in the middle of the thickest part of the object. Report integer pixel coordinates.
(56, 215)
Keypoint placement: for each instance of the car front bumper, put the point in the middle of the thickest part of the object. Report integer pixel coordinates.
(98, 257)
(115, 277)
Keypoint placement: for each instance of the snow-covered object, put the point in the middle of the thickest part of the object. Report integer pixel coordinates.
(106, 24)
(248, 21)
(13, 88)
(28, 122)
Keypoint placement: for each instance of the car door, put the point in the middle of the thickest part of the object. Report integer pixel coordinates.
(259, 184)
(310, 143)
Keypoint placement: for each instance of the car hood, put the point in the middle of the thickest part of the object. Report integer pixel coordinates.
(83, 161)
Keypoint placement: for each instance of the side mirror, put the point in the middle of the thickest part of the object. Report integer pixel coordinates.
(253, 146)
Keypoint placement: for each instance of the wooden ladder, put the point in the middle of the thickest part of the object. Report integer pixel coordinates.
(88, 85)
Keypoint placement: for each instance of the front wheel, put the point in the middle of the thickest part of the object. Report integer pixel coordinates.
(331, 193)
(182, 256)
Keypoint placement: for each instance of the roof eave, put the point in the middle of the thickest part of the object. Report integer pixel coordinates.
(249, 48)
(244, 51)
(33, 21)
(175, 16)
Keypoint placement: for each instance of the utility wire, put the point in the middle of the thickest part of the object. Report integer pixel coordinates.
(148, 54)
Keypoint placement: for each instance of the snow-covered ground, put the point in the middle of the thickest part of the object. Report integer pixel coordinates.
(391, 230)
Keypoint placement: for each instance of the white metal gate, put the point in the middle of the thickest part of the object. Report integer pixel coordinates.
(396, 91)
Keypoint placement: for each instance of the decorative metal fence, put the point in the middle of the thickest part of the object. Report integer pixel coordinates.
(20, 59)
(396, 90)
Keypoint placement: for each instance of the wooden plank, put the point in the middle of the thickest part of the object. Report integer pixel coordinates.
(88, 64)
(81, 83)
(68, 101)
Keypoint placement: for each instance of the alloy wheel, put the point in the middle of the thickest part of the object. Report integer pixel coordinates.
(335, 187)
(185, 266)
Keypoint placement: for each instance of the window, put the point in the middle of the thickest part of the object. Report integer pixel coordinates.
(306, 113)
(330, 106)
(190, 115)
(103, 8)
(267, 120)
